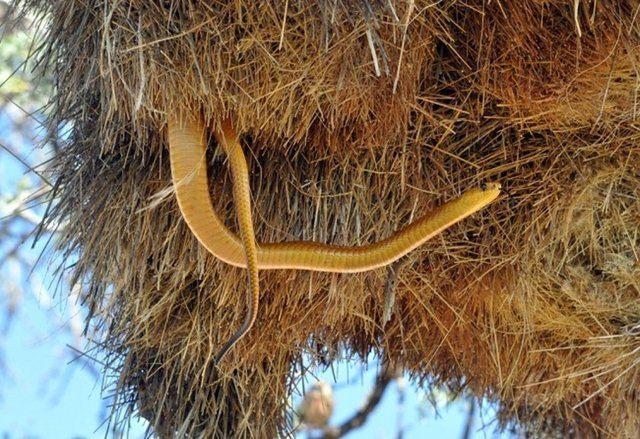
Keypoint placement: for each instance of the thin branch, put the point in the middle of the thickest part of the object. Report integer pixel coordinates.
(390, 292)
(402, 397)
(24, 163)
(387, 374)
(471, 415)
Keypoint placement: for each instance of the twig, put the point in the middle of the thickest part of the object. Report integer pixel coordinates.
(390, 292)
(402, 397)
(387, 374)
(24, 163)
(374, 55)
(284, 23)
(404, 39)
(471, 415)
(576, 18)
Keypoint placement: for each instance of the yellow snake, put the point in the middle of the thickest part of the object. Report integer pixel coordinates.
(187, 145)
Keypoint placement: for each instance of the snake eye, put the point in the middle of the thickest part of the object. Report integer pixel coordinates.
(484, 186)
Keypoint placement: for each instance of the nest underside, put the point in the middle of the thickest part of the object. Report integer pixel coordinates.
(357, 117)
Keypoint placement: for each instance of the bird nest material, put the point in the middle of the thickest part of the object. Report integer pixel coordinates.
(357, 116)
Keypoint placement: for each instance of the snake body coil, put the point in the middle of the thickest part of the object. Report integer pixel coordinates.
(187, 144)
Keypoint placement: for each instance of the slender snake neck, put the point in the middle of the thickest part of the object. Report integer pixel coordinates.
(187, 146)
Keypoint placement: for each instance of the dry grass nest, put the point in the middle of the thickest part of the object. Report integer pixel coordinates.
(356, 116)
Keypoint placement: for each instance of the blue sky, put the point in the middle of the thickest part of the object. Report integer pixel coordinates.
(43, 394)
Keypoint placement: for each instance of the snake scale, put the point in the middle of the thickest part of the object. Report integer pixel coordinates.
(187, 144)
